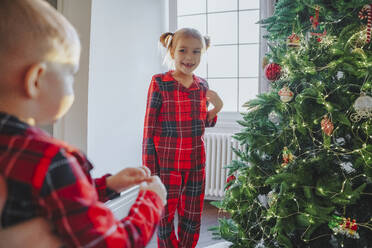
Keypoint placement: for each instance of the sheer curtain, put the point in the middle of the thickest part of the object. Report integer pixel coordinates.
(266, 10)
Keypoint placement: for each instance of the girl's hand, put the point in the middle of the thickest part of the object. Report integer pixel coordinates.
(127, 178)
(215, 99)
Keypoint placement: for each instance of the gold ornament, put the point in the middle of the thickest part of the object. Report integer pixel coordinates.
(293, 40)
(363, 108)
(265, 62)
(287, 157)
(357, 40)
(272, 197)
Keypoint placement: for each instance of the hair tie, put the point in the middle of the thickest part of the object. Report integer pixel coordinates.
(169, 38)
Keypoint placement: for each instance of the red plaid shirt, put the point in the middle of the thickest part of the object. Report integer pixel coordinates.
(46, 177)
(175, 121)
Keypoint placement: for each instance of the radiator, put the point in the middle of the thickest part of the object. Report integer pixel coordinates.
(218, 155)
(121, 205)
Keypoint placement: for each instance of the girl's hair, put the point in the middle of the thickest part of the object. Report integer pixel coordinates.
(169, 41)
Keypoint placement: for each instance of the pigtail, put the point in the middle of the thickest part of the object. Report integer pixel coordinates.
(207, 41)
(166, 39)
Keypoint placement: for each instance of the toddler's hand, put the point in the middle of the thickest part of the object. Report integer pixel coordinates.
(127, 178)
(215, 99)
(157, 186)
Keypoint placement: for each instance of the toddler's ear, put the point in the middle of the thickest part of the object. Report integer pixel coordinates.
(33, 78)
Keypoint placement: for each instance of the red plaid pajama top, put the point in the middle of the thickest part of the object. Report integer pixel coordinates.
(46, 177)
(175, 121)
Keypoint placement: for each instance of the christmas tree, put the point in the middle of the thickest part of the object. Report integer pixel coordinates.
(304, 176)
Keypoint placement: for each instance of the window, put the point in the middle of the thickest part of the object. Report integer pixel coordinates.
(53, 3)
(231, 63)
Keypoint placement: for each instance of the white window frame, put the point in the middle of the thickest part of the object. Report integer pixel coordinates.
(59, 5)
(227, 120)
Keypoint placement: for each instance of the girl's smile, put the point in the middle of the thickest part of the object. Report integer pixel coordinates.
(187, 54)
(189, 65)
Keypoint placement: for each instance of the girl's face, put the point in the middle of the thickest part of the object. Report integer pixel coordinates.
(187, 54)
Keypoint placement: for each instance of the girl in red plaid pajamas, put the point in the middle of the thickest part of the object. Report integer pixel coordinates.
(173, 145)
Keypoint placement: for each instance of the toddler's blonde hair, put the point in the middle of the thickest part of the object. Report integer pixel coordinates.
(32, 27)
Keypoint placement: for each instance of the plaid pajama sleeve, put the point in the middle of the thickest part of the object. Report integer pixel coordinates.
(71, 202)
(154, 102)
(104, 193)
(211, 123)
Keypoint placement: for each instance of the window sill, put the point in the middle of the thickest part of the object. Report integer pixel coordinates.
(226, 123)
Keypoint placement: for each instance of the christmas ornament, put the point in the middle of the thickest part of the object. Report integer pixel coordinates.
(263, 200)
(363, 108)
(273, 71)
(293, 40)
(340, 75)
(327, 126)
(274, 117)
(357, 40)
(261, 244)
(366, 13)
(286, 95)
(287, 157)
(229, 179)
(265, 62)
(271, 197)
(340, 225)
(340, 141)
(347, 167)
(317, 30)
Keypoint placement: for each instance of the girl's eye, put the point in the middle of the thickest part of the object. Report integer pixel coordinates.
(197, 51)
(182, 50)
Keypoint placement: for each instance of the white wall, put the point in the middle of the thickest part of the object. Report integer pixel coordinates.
(123, 56)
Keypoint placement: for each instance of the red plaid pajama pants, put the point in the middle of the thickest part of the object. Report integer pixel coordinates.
(186, 195)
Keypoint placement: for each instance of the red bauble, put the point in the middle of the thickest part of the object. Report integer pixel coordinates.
(327, 126)
(230, 178)
(272, 71)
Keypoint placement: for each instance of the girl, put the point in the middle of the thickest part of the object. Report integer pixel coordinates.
(173, 145)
